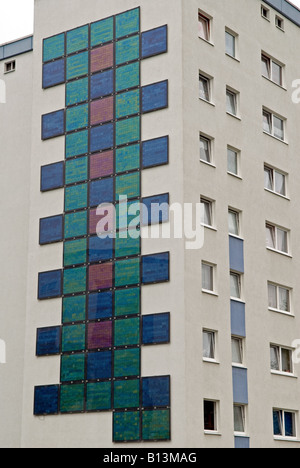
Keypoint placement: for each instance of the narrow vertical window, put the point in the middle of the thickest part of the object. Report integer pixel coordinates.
(230, 44)
(232, 161)
(207, 277)
(205, 150)
(235, 285)
(231, 102)
(204, 27)
(210, 416)
(204, 88)
(237, 350)
(239, 419)
(209, 345)
(234, 222)
(208, 212)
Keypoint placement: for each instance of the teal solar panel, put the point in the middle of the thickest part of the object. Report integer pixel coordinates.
(102, 31)
(74, 309)
(74, 280)
(128, 23)
(127, 394)
(76, 197)
(128, 103)
(77, 144)
(126, 426)
(128, 158)
(127, 362)
(54, 47)
(72, 368)
(127, 332)
(72, 398)
(77, 39)
(73, 338)
(127, 246)
(75, 252)
(98, 396)
(77, 91)
(127, 302)
(128, 50)
(77, 65)
(77, 117)
(128, 185)
(76, 170)
(128, 131)
(76, 224)
(127, 272)
(128, 76)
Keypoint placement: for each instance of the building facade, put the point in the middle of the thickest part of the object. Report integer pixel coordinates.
(135, 341)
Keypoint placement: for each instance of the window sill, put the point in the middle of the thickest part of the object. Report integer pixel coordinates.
(277, 311)
(280, 29)
(236, 237)
(278, 194)
(286, 439)
(208, 164)
(273, 82)
(241, 434)
(234, 116)
(232, 57)
(206, 41)
(267, 19)
(275, 138)
(207, 102)
(279, 252)
(239, 366)
(206, 226)
(234, 175)
(210, 293)
(8, 72)
(237, 299)
(212, 433)
(284, 374)
(210, 361)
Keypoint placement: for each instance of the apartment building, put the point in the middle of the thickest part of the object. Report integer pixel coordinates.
(140, 342)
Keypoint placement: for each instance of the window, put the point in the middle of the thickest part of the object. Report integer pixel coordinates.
(273, 125)
(284, 423)
(279, 298)
(210, 416)
(208, 212)
(271, 69)
(231, 102)
(10, 66)
(239, 419)
(234, 222)
(277, 238)
(235, 285)
(281, 359)
(207, 277)
(230, 44)
(232, 161)
(279, 23)
(209, 345)
(204, 27)
(204, 88)
(237, 350)
(265, 13)
(275, 181)
(205, 149)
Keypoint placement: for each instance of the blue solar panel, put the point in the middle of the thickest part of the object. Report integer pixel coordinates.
(101, 191)
(48, 341)
(46, 400)
(54, 73)
(102, 84)
(156, 392)
(52, 176)
(53, 124)
(100, 305)
(102, 138)
(155, 268)
(99, 365)
(156, 329)
(154, 42)
(100, 249)
(50, 284)
(155, 209)
(155, 97)
(51, 229)
(155, 152)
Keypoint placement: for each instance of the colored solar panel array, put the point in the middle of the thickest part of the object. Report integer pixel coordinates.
(103, 329)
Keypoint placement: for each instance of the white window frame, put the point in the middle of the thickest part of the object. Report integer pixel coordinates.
(276, 309)
(13, 65)
(238, 221)
(214, 335)
(235, 37)
(216, 416)
(270, 63)
(236, 95)
(213, 278)
(283, 436)
(210, 141)
(272, 116)
(208, 79)
(210, 203)
(242, 350)
(208, 20)
(280, 350)
(240, 285)
(274, 172)
(243, 411)
(238, 162)
(275, 229)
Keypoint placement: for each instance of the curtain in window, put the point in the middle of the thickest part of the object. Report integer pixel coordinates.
(207, 277)
(265, 66)
(231, 102)
(239, 419)
(269, 179)
(284, 300)
(233, 223)
(208, 345)
(272, 290)
(280, 184)
(232, 161)
(237, 357)
(230, 44)
(235, 290)
(277, 423)
(282, 241)
(267, 122)
(204, 150)
(207, 213)
(278, 128)
(204, 88)
(270, 237)
(289, 422)
(203, 28)
(275, 358)
(286, 361)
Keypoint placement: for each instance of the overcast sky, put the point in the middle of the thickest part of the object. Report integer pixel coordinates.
(16, 18)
